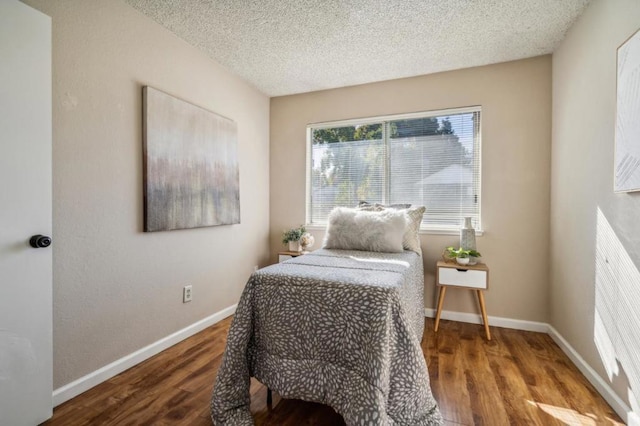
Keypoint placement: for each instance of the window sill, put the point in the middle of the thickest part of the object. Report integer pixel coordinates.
(315, 227)
(423, 231)
(479, 233)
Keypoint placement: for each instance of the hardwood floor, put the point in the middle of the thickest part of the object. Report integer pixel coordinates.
(518, 378)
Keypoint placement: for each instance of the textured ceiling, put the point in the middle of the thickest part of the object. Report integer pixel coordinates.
(292, 46)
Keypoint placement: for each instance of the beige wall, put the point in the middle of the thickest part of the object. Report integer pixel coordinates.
(116, 288)
(516, 134)
(584, 97)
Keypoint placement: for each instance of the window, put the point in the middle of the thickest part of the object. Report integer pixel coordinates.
(430, 159)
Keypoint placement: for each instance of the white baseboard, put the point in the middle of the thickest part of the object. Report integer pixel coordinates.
(603, 388)
(70, 390)
(618, 405)
(540, 327)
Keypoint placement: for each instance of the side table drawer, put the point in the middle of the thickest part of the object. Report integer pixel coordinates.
(283, 257)
(462, 278)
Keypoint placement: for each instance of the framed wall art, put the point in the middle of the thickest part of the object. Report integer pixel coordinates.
(627, 133)
(191, 175)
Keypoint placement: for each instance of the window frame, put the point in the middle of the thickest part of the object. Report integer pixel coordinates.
(382, 119)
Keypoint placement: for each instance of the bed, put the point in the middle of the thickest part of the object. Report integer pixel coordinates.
(338, 327)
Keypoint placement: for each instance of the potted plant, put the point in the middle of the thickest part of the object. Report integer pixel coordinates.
(462, 256)
(473, 257)
(292, 237)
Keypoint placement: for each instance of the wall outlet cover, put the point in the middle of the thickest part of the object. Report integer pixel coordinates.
(187, 293)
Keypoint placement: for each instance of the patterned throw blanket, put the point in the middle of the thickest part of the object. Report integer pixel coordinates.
(338, 327)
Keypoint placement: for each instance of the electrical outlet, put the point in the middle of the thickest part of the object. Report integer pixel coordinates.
(186, 293)
(255, 268)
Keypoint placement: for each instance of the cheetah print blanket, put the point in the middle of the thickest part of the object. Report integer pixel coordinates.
(338, 327)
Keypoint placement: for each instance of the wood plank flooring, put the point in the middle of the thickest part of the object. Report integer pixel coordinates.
(518, 378)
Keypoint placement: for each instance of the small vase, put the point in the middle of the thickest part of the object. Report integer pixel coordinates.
(468, 235)
(462, 260)
(294, 246)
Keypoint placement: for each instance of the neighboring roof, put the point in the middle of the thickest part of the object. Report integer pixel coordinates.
(453, 174)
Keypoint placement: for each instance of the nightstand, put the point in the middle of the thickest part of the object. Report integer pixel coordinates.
(472, 277)
(286, 255)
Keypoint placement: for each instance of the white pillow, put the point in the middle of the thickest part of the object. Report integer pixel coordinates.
(353, 229)
(411, 239)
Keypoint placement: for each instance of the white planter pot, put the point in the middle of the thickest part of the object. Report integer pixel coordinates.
(462, 260)
(294, 246)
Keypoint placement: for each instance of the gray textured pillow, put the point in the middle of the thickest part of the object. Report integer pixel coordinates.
(411, 238)
(354, 229)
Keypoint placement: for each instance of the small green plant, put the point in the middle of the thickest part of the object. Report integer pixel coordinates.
(293, 234)
(461, 253)
(474, 253)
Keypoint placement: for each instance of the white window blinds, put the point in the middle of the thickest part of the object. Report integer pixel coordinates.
(430, 159)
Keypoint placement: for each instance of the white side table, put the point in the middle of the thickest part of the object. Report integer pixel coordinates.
(475, 277)
(286, 255)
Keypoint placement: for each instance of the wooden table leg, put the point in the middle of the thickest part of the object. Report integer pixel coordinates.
(443, 291)
(483, 309)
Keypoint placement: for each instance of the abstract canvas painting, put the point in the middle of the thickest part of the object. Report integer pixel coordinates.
(191, 176)
(627, 146)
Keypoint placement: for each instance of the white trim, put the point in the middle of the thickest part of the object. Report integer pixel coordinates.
(540, 327)
(384, 119)
(405, 116)
(307, 184)
(422, 231)
(70, 390)
(603, 388)
(450, 231)
(478, 157)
